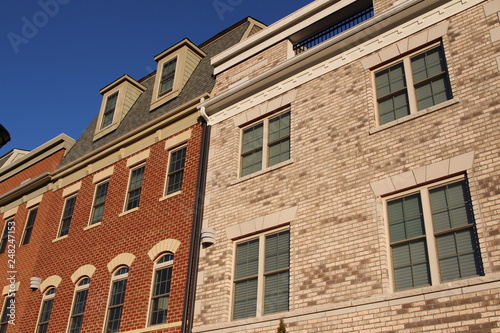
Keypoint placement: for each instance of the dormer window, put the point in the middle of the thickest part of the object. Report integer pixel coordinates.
(167, 76)
(117, 99)
(175, 66)
(109, 111)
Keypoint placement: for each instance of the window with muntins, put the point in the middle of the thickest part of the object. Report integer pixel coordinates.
(161, 289)
(261, 276)
(414, 83)
(176, 170)
(5, 317)
(167, 76)
(46, 310)
(432, 236)
(101, 193)
(116, 300)
(7, 229)
(135, 187)
(69, 207)
(30, 222)
(79, 303)
(109, 110)
(265, 144)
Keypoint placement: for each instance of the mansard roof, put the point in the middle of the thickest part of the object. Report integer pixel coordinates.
(200, 83)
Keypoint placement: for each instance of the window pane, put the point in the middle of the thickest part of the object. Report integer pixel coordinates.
(168, 75)
(100, 199)
(159, 310)
(411, 267)
(405, 218)
(450, 206)
(176, 170)
(136, 178)
(115, 315)
(457, 256)
(276, 292)
(46, 310)
(252, 138)
(277, 251)
(67, 216)
(247, 259)
(430, 78)
(245, 299)
(394, 107)
(109, 110)
(29, 226)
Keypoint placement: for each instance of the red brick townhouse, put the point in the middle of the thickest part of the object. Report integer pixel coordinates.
(114, 241)
(353, 179)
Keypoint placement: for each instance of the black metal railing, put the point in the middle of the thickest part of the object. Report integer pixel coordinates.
(333, 30)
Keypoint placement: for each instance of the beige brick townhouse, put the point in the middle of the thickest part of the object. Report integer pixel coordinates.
(353, 178)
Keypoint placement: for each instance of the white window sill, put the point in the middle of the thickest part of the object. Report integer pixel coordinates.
(155, 327)
(92, 225)
(261, 172)
(415, 115)
(165, 197)
(128, 211)
(59, 238)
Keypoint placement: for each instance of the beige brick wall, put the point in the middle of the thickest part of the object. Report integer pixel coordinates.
(339, 260)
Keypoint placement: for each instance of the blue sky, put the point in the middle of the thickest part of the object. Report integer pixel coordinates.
(55, 55)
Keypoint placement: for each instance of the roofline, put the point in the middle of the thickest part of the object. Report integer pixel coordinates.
(229, 29)
(62, 141)
(316, 54)
(134, 135)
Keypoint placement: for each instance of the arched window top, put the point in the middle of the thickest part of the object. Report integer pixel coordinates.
(84, 281)
(50, 291)
(165, 258)
(121, 271)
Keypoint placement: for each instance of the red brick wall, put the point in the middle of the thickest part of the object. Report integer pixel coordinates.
(135, 233)
(46, 165)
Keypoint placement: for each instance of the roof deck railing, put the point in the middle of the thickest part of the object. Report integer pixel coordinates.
(333, 30)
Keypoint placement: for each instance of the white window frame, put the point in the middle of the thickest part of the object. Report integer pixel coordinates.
(157, 267)
(62, 215)
(115, 278)
(127, 195)
(106, 181)
(4, 312)
(78, 288)
(430, 236)
(46, 297)
(167, 178)
(265, 142)
(29, 228)
(8, 229)
(261, 271)
(410, 88)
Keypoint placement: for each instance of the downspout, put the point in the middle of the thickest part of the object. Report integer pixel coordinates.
(190, 292)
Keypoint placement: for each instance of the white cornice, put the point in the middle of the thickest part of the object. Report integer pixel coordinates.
(400, 22)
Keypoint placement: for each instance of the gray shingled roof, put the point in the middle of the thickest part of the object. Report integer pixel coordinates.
(200, 82)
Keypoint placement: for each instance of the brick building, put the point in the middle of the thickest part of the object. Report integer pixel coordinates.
(353, 177)
(118, 218)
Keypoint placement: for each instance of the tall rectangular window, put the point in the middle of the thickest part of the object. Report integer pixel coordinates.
(5, 317)
(79, 303)
(433, 237)
(161, 289)
(100, 198)
(109, 110)
(69, 207)
(167, 76)
(262, 274)
(30, 222)
(47, 302)
(5, 236)
(135, 187)
(265, 144)
(116, 300)
(414, 83)
(176, 170)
